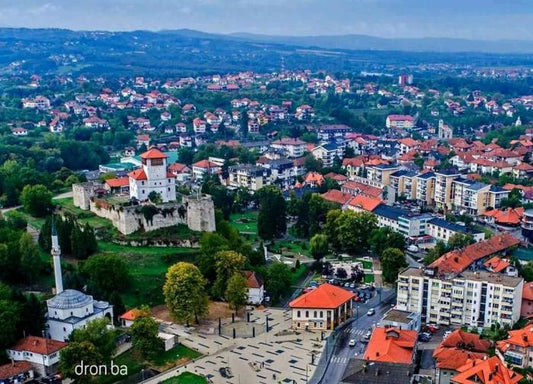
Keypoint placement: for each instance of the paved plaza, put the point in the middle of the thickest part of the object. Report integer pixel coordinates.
(279, 355)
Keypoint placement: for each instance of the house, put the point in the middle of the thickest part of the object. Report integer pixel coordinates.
(455, 351)
(129, 151)
(392, 345)
(256, 288)
(399, 122)
(199, 125)
(128, 317)
(117, 185)
(16, 372)
(204, 167)
(19, 131)
(181, 171)
(400, 319)
(360, 371)
(41, 353)
(336, 196)
(143, 140)
(292, 147)
(327, 153)
(166, 116)
(322, 308)
(362, 203)
(313, 179)
(488, 371)
(527, 300)
(511, 217)
(522, 170)
(517, 348)
(356, 188)
(95, 122)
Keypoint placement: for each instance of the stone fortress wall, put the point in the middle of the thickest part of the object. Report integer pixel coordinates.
(197, 212)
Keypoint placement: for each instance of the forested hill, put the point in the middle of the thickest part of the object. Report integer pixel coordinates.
(52, 51)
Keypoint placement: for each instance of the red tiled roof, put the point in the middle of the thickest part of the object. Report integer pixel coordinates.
(205, 164)
(392, 345)
(314, 177)
(178, 167)
(465, 340)
(507, 216)
(496, 264)
(337, 196)
(356, 187)
(130, 315)
(138, 174)
(253, 280)
(365, 202)
(489, 371)
(458, 260)
(326, 296)
(118, 182)
(527, 291)
(153, 154)
(400, 117)
(38, 345)
(335, 176)
(453, 358)
(7, 371)
(288, 141)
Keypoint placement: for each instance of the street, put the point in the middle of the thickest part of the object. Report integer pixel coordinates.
(355, 330)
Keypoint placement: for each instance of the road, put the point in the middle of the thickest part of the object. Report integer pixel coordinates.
(357, 327)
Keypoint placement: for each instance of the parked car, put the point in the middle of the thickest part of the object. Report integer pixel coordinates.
(367, 335)
(371, 312)
(352, 343)
(432, 328)
(446, 334)
(424, 337)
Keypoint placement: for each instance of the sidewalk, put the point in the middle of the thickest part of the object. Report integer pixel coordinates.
(265, 359)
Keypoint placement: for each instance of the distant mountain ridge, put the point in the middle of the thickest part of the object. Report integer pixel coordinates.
(366, 42)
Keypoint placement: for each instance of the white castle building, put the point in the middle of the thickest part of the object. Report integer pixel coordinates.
(70, 309)
(153, 177)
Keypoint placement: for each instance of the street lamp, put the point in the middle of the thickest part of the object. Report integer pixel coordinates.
(357, 313)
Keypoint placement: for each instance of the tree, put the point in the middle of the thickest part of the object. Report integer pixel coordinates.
(37, 200)
(311, 163)
(144, 333)
(107, 273)
(460, 240)
(185, 293)
(527, 271)
(351, 230)
(29, 257)
(385, 237)
(434, 253)
(97, 333)
(227, 263)
(392, 260)
(319, 246)
(155, 197)
(9, 317)
(185, 155)
(272, 220)
(278, 280)
(513, 200)
(236, 292)
(73, 354)
(32, 315)
(210, 244)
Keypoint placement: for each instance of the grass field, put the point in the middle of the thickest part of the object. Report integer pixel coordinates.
(148, 266)
(245, 222)
(186, 378)
(369, 279)
(174, 355)
(294, 247)
(83, 216)
(366, 264)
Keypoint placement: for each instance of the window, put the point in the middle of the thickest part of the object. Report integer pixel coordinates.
(314, 314)
(321, 314)
(306, 313)
(297, 325)
(298, 314)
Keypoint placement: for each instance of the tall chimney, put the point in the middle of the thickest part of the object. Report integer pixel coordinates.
(56, 253)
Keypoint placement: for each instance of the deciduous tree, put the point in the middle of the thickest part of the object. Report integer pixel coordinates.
(236, 291)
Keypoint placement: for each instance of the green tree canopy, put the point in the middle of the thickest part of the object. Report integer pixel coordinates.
(107, 273)
(319, 246)
(37, 200)
(392, 261)
(144, 332)
(278, 280)
(227, 263)
(272, 220)
(236, 292)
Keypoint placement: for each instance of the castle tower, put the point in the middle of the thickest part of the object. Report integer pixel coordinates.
(56, 253)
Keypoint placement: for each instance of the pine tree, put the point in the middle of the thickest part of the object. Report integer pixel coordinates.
(29, 257)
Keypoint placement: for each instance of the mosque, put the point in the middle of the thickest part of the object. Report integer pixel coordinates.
(70, 309)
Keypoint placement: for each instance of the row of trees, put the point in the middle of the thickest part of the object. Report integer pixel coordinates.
(75, 239)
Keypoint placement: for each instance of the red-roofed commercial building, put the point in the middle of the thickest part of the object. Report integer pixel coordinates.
(392, 345)
(322, 308)
(41, 353)
(489, 371)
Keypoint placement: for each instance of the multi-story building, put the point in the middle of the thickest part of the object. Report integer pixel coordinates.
(249, 176)
(444, 187)
(381, 173)
(477, 299)
(327, 153)
(41, 353)
(400, 319)
(400, 121)
(442, 229)
(425, 188)
(292, 147)
(470, 196)
(404, 183)
(153, 177)
(527, 224)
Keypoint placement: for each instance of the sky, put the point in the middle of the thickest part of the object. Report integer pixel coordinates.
(471, 19)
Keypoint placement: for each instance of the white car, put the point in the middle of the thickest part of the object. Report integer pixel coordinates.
(446, 334)
(352, 343)
(371, 312)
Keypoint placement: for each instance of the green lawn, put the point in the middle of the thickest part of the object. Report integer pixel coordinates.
(83, 216)
(298, 274)
(186, 378)
(175, 354)
(128, 359)
(366, 264)
(245, 222)
(292, 246)
(148, 266)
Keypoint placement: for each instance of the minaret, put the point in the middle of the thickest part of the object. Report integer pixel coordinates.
(56, 253)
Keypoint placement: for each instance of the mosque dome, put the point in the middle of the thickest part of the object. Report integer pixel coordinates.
(68, 299)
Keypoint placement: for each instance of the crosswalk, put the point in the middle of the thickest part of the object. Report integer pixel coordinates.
(340, 360)
(354, 331)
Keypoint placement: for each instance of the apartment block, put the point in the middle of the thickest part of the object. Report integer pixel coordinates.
(443, 188)
(477, 298)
